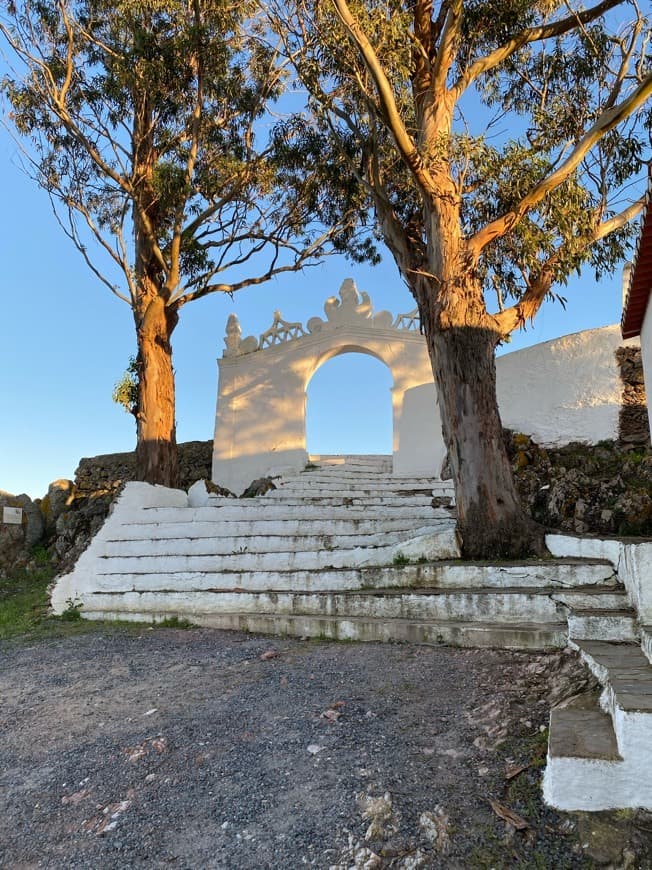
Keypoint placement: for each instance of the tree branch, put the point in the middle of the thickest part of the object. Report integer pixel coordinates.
(531, 34)
(404, 142)
(606, 122)
(538, 288)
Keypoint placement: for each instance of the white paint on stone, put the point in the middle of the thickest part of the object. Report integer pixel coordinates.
(571, 546)
(198, 495)
(635, 570)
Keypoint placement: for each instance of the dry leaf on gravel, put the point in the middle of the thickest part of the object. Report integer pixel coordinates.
(270, 654)
(75, 798)
(134, 753)
(508, 815)
(436, 827)
(513, 771)
(331, 715)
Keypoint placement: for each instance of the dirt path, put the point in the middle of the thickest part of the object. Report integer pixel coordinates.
(178, 748)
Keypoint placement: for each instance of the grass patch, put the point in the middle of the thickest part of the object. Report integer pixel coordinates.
(25, 607)
(24, 601)
(173, 622)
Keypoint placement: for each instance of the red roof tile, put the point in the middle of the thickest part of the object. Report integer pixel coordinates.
(640, 279)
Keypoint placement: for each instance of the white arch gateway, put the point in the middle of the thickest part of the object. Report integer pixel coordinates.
(260, 425)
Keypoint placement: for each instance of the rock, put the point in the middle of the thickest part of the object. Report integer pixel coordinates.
(258, 487)
(35, 527)
(60, 496)
(200, 492)
(77, 525)
(13, 552)
(605, 489)
(17, 540)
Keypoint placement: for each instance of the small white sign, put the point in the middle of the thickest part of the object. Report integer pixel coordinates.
(12, 515)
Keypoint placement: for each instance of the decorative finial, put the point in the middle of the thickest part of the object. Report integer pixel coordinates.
(233, 333)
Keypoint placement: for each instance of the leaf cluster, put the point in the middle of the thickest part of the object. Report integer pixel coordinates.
(153, 117)
(514, 123)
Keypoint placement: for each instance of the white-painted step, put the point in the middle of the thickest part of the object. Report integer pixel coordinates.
(577, 780)
(495, 606)
(442, 575)
(524, 635)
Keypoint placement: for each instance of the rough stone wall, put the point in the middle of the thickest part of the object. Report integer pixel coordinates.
(604, 489)
(109, 471)
(634, 426)
(17, 541)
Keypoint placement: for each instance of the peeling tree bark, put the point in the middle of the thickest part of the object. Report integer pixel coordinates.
(156, 450)
(491, 520)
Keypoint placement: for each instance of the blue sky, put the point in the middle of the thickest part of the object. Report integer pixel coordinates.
(65, 340)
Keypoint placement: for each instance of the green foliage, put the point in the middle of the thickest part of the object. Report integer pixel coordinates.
(174, 622)
(400, 560)
(25, 611)
(23, 601)
(150, 121)
(512, 125)
(125, 392)
(72, 613)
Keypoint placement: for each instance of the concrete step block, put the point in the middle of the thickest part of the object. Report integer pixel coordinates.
(347, 477)
(496, 607)
(603, 624)
(433, 545)
(286, 528)
(439, 575)
(260, 508)
(359, 489)
(646, 641)
(583, 756)
(525, 636)
(578, 783)
(343, 500)
(227, 544)
(584, 548)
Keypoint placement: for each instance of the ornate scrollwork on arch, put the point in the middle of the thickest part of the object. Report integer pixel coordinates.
(409, 321)
(280, 331)
(352, 308)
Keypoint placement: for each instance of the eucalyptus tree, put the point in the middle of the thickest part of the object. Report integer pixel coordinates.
(497, 146)
(147, 121)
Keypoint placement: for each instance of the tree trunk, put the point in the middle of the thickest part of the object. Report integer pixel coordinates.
(156, 449)
(491, 521)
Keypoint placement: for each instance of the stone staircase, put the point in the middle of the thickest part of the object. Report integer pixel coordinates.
(347, 551)
(344, 550)
(600, 745)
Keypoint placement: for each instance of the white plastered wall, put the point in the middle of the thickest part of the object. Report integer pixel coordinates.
(559, 391)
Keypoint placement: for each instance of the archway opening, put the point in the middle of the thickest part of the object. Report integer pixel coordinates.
(349, 406)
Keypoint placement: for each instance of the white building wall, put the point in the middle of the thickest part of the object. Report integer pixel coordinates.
(559, 391)
(646, 351)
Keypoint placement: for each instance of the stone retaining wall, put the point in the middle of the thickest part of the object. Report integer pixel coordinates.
(633, 425)
(109, 471)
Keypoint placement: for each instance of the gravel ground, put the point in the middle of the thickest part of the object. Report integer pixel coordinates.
(208, 749)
